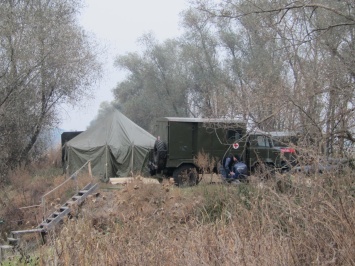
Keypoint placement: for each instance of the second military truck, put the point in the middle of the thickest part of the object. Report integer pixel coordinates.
(180, 140)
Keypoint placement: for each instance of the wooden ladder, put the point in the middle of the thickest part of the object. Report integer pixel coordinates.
(50, 222)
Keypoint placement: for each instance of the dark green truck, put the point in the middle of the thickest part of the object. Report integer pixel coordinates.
(180, 140)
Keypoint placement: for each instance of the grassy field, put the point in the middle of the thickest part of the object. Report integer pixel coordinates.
(287, 220)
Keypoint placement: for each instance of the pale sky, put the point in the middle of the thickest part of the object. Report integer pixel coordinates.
(117, 25)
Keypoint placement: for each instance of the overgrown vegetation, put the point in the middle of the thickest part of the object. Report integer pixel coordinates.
(25, 200)
(277, 65)
(287, 220)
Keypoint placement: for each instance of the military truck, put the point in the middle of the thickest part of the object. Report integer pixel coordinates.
(180, 140)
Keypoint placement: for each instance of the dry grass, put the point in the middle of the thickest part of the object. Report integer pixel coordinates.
(206, 163)
(21, 199)
(287, 221)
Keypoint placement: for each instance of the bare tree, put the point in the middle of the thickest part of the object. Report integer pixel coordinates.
(313, 44)
(279, 65)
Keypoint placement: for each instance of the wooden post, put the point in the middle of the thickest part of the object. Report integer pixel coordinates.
(89, 167)
(43, 203)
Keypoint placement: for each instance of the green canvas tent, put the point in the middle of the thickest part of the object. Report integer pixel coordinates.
(115, 145)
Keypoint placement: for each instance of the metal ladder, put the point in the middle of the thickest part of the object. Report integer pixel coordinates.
(51, 221)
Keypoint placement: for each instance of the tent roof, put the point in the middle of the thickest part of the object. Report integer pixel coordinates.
(115, 130)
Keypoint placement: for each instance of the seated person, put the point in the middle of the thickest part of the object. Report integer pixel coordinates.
(240, 170)
(233, 168)
(227, 166)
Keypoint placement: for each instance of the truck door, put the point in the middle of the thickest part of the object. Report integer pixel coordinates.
(180, 140)
(259, 149)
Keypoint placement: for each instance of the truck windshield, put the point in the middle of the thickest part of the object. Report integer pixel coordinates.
(260, 141)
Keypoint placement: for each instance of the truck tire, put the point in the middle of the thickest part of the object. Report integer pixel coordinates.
(160, 154)
(186, 175)
(264, 171)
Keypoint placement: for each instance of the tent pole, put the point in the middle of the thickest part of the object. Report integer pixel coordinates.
(106, 162)
(67, 165)
(132, 159)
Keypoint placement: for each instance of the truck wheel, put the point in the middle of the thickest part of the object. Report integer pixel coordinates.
(264, 171)
(185, 175)
(160, 153)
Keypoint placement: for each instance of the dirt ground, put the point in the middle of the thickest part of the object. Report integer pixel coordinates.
(207, 178)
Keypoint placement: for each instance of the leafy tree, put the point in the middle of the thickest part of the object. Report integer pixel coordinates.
(156, 84)
(207, 93)
(46, 60)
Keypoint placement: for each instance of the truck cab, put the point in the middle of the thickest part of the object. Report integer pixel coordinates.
(287, 142)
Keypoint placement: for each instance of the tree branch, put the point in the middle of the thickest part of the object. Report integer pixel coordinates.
(225, 14)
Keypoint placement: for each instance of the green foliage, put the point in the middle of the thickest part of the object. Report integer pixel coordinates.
(222, 202)
(216, 204)
(156, 84)
(55, 62)
(245, 195)
(21, 261)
